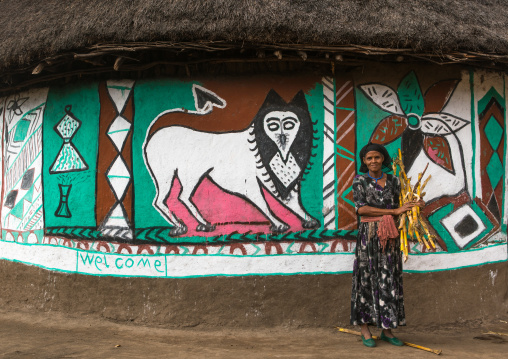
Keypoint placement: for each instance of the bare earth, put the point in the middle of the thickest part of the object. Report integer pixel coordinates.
(53, 335)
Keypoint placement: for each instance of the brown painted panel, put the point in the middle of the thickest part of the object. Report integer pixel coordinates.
(250, 94)
(346, 138)
(128, 114)
(345, 92)
(107, 153)
(493, 110)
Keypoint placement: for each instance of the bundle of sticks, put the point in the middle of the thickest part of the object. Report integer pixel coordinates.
(411, 225)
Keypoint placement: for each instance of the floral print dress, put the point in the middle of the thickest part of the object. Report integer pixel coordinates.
(376, 296)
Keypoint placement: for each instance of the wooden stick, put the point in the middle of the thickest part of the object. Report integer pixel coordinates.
(496, 333)
(437, 352)
(354, 332)
(421, 176)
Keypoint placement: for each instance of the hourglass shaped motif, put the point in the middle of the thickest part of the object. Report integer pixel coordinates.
(63, 207)
(68, 158)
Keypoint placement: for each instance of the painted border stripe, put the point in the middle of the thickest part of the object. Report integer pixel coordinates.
(64, 259)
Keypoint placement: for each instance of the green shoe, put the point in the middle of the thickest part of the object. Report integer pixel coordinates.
(393, 341)
(371, 343)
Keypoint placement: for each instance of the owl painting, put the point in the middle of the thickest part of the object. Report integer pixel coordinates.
(272, 153)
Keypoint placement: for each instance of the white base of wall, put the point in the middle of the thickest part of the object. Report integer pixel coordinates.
(71, 260)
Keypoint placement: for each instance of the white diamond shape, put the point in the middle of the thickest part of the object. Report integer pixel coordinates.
(119, 91)
(118, 132)
(117, 218)
(118, 177)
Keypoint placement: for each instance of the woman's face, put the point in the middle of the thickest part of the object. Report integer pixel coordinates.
(374, 161)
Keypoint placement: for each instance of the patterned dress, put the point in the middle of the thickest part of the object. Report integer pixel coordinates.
(376, 296)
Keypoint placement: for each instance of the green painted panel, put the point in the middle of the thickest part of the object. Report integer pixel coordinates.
(410, 95)
(312, 184)
(492, 93)
(84, 99)
(368, 116)
(150, 99)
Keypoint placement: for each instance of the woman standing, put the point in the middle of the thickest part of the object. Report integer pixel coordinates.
(377, 295)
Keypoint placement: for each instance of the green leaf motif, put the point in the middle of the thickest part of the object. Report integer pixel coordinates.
(410, 95)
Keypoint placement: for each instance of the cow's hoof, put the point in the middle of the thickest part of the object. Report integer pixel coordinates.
(279, 228)
(206, 227)
(310, 223)
(178, 231)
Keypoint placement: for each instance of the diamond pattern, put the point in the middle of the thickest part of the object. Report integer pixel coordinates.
(495, 170)
(118, 132)
(494, 132)
(119, 90)
(119, 177)
(67, 126)
(117, 218)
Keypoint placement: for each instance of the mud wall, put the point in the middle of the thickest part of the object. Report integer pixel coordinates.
(430, 299)
(245, 176)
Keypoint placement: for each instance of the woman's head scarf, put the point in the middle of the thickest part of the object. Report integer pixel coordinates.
(374, 147)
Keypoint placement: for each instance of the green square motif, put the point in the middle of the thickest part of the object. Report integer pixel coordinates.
(437, 217)
(21, 130)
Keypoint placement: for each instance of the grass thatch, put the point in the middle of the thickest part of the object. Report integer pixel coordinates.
(33, 30)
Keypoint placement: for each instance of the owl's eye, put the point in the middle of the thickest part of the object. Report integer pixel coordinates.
(273, 126)
(289, 124)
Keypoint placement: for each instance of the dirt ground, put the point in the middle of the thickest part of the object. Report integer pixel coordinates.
(53, 335)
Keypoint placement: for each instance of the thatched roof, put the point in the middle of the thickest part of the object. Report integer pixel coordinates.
(51, 31)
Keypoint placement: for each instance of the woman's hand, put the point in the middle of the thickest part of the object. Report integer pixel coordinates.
(420, 203)
(372, 211)
(406, 207)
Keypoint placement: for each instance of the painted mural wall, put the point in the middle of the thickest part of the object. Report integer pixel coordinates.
(245, 175)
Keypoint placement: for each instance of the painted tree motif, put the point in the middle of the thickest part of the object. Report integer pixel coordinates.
(416, 117)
